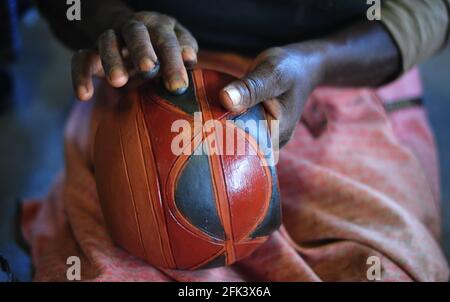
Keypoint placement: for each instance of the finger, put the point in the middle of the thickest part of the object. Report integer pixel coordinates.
(263, 83)
(140, 48)
(168, 50)
(188, 45)
(85, 65)
(110, 54)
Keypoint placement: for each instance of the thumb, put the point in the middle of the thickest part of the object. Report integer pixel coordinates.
(264, 82)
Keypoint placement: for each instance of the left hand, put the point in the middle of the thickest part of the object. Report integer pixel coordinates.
(282, 78)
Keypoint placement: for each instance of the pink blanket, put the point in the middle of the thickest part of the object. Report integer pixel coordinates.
(355, 183)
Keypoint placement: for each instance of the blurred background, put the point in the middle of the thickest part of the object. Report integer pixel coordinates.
(36, 97)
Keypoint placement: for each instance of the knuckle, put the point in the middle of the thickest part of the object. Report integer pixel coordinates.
(276, 69)
(276, 52)
(280, 77)
(154, 19)
(167, 45)
(132, 26)
(281, 72)
(276, 55)
(167, 19)
(141, 15)
(164, 38)
(254, 87)
(144, 16)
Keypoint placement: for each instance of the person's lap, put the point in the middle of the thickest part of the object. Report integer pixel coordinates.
(355, 183)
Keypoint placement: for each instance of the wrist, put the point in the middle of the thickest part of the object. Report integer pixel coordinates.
(312, 57)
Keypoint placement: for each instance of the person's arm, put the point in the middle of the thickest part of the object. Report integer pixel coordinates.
(420, 28)
(363, 54)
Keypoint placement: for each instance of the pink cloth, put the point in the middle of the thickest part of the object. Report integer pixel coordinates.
(355, 183)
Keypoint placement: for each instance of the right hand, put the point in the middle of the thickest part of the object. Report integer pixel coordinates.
(137, 46)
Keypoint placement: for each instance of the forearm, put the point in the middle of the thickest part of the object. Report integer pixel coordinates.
(360, 55)
(96, 17)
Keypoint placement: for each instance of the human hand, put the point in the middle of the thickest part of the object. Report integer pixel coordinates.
(140, 44)
(282, 79)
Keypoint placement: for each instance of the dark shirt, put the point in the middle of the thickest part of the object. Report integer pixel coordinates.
(250, 26)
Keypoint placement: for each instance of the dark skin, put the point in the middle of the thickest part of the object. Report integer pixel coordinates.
(132, 45)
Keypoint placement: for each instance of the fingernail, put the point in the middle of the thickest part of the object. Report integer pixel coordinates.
(177, 86)
(116, 73)
(189, 54)
(152, 72)
(146, 65)
(82, 91)
(234, 95)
